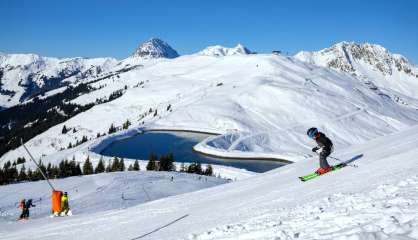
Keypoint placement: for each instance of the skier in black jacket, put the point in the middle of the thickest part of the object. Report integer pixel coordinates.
(324, 149)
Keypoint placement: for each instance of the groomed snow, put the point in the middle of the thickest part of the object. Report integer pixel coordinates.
(100, 192)
(376, 200)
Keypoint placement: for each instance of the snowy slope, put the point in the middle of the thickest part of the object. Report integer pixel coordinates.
(261, 104)
(381, 70)
(23, 75)
(377, 200)
(220, 51)
(101, 192)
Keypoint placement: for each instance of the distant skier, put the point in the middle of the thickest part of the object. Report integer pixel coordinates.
(22, 206)
(65, 208)
(28, 205)
(324, 149)
(25, 205)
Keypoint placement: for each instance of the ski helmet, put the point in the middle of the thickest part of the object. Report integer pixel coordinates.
(312, 132)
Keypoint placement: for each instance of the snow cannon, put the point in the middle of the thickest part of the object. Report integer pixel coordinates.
(56, 202)
(56, 195)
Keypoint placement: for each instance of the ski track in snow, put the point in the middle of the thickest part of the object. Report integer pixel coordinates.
(387, 212)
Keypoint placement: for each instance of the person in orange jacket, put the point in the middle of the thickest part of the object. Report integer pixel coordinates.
(22, 206)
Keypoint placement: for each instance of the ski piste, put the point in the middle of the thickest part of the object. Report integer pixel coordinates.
(314, 175)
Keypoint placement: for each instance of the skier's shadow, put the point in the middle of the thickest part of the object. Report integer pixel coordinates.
(354, 158)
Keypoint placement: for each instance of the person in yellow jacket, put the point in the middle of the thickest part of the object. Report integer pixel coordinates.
(65, 208)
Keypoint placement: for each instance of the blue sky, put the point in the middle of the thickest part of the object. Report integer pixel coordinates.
(93, 28)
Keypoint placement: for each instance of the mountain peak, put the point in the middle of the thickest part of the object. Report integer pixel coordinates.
(218, 51)
(349, 56)
(155, 48)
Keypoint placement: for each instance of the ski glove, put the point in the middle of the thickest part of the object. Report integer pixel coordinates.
(315, 149)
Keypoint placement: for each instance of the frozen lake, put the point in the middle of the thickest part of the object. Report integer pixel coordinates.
(181, 145)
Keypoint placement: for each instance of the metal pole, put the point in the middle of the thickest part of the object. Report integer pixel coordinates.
(348, 164)
(37, 165)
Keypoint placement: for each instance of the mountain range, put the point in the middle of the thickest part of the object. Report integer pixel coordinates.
(261, 104)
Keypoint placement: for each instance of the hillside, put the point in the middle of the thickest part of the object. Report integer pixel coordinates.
(388, 74)
(23, 76)
(261, 104)
(377, 200)
(101, 192)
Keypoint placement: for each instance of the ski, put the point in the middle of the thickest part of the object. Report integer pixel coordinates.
(314, 175)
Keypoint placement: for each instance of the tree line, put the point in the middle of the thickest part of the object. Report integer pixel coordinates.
(9, 173)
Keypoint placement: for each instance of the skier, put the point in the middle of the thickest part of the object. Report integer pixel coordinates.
(22, 206)
(64, 204)
(324, 149)
(27, 206)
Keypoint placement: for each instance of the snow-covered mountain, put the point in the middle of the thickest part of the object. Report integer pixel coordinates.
(24, 75)
(219, 51)
(261, 104)
(380, 69)
(155, 48)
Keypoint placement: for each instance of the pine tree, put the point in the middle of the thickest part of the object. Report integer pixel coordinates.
(199, 168)
(48, 170)
(191, 168)
(112, 129)
(100, 166)
(30, 175)
(167, 163)
(78, 171)
(121, 165)
(87, 167)
(70, 145)
(22, 174)
(20, 160)
(152, 165)
(2, 179)
(126, 124)
(130, 168)
(54, 172)
(64, 130)
(136, 166)
(61, 169)
(83, 139)
(115, 165)
(208, 170)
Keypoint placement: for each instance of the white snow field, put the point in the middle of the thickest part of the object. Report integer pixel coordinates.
(261, 104)
(376, 200)
(100, 192)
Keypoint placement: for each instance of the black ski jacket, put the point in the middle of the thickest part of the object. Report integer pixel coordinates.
(323, 142)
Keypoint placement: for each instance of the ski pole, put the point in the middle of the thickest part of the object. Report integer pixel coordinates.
(348, 164)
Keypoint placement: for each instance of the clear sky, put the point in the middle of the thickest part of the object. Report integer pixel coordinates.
(93, 28)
